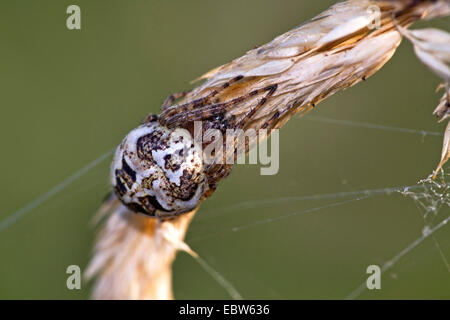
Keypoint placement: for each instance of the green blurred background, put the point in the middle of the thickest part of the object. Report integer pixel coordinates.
(67, 97)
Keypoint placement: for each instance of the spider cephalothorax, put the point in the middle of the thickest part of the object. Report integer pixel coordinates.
(159, 171)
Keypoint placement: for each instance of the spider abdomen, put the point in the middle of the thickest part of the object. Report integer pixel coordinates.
(159, 171)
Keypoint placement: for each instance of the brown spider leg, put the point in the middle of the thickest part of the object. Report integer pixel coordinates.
(215, 174)
(191, 105)
(242, 122)
(167, 103)
(273, 120)
(267, 124)
(210, 111)
(170, 99)
(216, 171)
(252, 112)
(151, 117)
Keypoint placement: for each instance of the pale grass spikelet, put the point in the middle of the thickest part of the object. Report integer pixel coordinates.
(442, 111)
(133, 255)
(445, 150)
(432, 47)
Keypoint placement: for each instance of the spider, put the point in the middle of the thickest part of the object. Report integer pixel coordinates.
(206, 109)
(158, 170)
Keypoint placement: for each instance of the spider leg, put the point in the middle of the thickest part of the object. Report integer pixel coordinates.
(169, 111)
(267, 124)
(270, 123)
(215, 173)
(213, 110)
(151, 117)
(218, 171)
(167, 103)
(271, 90)
(170, 99)
(273, 120)
(242, 122)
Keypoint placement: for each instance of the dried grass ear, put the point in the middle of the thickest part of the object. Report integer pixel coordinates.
(445, 150)
(432, 47)
(442, 111)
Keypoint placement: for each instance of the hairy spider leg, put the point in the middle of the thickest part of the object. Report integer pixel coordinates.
(271, 90)
(206, 112)
(242, 122)
(169, 111)
(174, 96)
(151, 117)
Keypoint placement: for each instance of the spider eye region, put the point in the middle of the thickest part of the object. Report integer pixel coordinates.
(159, 171)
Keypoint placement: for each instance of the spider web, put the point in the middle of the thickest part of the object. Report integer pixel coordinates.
(431, 197)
